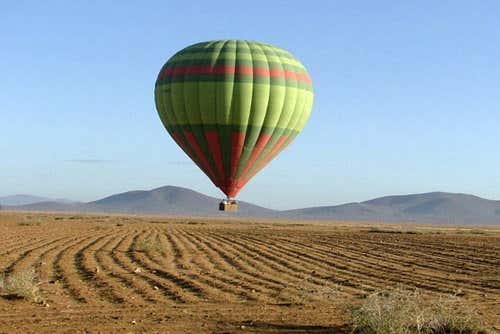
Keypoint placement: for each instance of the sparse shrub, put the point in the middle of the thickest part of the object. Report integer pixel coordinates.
(21, 285)
(150, 245)
(380, 230)
(476, 231)
(473, 231)
(30, 223)
(408, 312)
(194, 223)
(391, 231)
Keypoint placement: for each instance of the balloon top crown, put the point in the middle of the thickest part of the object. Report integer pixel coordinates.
(241, 44)
(235, 52)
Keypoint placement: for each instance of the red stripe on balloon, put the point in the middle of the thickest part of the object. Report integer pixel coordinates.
(257, 150)
(228, 186)
(232, 70)
(215, 151)
(237, 142)
(187, 149)
(182, 144)
(178, 140)
(199, 154)
(278, 146)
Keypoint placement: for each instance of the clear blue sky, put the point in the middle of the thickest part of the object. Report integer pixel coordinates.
(407, 96)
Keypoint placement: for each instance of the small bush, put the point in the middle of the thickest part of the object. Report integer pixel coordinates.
(150, 245)
(30, 223)
(407, 312)
(22, 285)
(475, 231)
(194, 223)
(391, 231)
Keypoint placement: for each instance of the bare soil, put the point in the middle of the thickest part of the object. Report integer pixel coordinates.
(137, 274)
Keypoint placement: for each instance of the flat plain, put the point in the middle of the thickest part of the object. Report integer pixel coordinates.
(140, 274)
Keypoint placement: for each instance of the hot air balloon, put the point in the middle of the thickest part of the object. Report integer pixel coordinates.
(232, 106)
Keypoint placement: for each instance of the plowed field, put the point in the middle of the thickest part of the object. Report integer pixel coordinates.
(105, 274)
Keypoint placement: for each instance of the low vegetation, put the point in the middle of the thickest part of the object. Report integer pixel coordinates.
(21, 285)
(195, 223)
(150, 245)
(408, 312)
(391, 231)
(30, 223)
(473, 231)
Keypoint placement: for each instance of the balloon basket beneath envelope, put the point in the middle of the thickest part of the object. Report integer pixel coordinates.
(228, 205)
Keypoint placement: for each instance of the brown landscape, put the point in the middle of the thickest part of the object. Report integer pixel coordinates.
(140, 274)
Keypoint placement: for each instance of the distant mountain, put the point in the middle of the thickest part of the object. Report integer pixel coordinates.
(21, 199)
(172, 201)
(16, 200)
(435, 207)
(168, 200)
(51, 206)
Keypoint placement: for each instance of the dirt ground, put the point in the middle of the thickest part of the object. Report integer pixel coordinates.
(137, 274)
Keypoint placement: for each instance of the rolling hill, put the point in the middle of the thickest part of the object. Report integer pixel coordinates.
(168, 200)
(21, 199)
(172, 201)
(435, 207)
(28, 199)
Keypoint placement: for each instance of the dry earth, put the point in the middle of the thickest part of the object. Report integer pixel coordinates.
(128, 274)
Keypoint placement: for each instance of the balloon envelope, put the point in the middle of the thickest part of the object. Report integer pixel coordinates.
(232, 106)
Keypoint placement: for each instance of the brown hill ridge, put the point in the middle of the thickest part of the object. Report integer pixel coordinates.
(435, 207)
